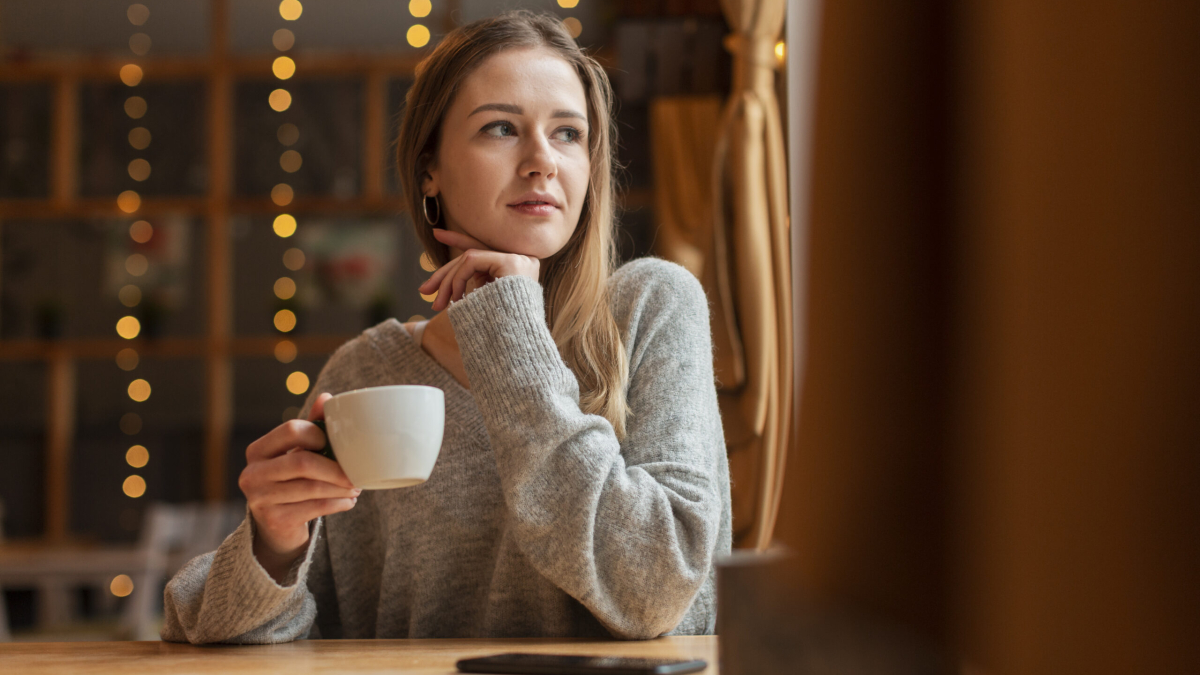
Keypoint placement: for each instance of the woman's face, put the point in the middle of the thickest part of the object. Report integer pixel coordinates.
(516, 133)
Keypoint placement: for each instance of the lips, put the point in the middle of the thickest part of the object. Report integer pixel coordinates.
(535, 199)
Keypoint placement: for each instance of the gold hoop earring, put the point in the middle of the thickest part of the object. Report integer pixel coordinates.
(425, 208)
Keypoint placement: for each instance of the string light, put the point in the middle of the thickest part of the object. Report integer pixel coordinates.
(290, 10)
(283, 39)
(129, 201)
(282, 194)
(139, 390)
(421, 8)
(139, 44)
(418, 35)
(139, 169)
(427, 264)
(128, 327)
(573, 26)
(130, 295)
(136, 264)
(290, 161)
(429, 298)
(297, 383)
(127, 359)
(121, 585)
(288, 133)
(283, 67)
(285, 288)
(135, 107)
(285, 320)
(134, 486)
(780, 51)
(285, 351)
(280, 100)
(131, 74)
(284, 225)
(138, 14)
(137, 456)
(141, 231)
(568, 4)
(139, 138)
(293, 259)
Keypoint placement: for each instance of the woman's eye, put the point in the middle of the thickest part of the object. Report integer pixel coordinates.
(568, 134)
(498, 129)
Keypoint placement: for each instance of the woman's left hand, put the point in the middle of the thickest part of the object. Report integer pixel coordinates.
(477, 266)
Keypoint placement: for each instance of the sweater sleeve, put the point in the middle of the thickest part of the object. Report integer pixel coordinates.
(630, 528)
(227, 596)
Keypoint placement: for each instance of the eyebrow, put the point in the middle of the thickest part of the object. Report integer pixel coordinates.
(516, 110)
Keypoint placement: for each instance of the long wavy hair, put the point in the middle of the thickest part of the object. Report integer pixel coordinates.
(574, 280)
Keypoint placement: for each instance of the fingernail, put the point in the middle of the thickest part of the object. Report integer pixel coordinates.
(354, 501)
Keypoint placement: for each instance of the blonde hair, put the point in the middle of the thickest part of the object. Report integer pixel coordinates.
(575, 280)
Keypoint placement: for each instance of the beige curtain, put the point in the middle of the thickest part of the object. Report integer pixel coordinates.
(728, 224)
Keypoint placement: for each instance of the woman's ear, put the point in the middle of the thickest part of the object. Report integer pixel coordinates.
(429, 181)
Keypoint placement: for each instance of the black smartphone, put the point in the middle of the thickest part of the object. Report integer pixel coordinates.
(558, 664)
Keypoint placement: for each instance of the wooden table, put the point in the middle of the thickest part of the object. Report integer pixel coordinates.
(318, 656)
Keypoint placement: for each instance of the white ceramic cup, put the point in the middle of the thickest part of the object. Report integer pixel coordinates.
(386, 437)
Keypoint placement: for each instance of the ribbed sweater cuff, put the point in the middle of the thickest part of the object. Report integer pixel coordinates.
(258, 595)
(503, 337)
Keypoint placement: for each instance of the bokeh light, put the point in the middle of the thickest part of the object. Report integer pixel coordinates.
(290, 161)
(141, 231)
(137, 456)
(285, 288)
(129, 201)
(573, 26)
(285, 320)
(135, 107)
(138, 14)
(285, 351)
(280, 100)
(427, 264)
(293, 259)
(288, 133)
(131, 74)
(415, 318)
(128, 327)
(139, 138)
(131, 423)
(283, 67)
(139, 169)
(134, 486)
(282, 194)
(429, 298)
(284, 225)
(129, 295)
(780, 51)
(283, 39)
(127, 359)
(420, 8)
(297, 383)
(121, 585)
(568, 4)
(139, 44)
(418, 35)
(290, 10)
(139, 390)
(137, 264)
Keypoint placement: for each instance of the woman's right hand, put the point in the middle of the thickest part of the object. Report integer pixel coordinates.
(286, 486)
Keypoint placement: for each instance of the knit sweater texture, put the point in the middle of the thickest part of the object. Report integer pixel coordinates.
(536, 520)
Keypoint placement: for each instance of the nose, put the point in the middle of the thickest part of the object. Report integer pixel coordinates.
(538, 158)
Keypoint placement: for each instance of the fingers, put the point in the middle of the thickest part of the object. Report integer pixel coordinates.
(298, 465)
(435, 279)
(290, 434)
(302, 490)
(459, 240)
(318, 408)
(285, 517)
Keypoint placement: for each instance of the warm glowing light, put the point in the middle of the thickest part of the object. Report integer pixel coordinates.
(573, 26)
(141, 231)
(121, 585)
(293, 259)
(283, 39)
(129, 201)
(138, 14)
(139, 44)
(285, 320)
(429, 298)
(282, 194)
(780, 51)
(131, 74)
(290, 161)
(128, 327)
(288, 133)
(290, 10)
(285, 288)
(426, 263)
(280, 100)
(418, 35)
(139, 138)
(127, 359)
(139, 169)
(137, 264)
(134, 486)
(415, 318)
(129, 295)
(285, 351)
(135, 107)
(297, 383)
(285, 225)
(139, 390)
(568, 4)
(290, 413)
(283, 67)
(137, 456)
(420, 8)
(131, 423)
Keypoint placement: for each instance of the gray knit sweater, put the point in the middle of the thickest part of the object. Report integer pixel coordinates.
(536, 521)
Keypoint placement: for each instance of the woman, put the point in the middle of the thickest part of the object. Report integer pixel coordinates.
(582, 487)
